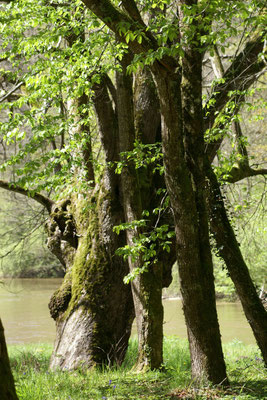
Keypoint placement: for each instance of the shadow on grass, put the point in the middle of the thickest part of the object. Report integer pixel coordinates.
(238, 390)
(256, 389)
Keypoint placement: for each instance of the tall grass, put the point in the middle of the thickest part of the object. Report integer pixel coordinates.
(34, 380)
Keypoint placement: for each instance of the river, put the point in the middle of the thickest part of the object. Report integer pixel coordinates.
(26, 319)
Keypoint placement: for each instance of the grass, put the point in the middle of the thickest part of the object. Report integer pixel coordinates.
(34, 381)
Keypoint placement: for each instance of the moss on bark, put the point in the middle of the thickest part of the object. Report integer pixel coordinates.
(60, 299)
(100, 310)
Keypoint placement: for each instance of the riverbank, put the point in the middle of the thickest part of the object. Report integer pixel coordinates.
(34, 381)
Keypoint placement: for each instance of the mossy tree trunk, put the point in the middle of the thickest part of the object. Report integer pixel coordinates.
(193, 259)
(93, 297)
(7, 385)
(93, 308)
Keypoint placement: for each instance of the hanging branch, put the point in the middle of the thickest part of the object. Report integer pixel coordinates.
(237, 174)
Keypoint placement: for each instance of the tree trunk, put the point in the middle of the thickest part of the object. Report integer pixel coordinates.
(7, 386)
(147, 286)
(229, 250)
(93, 308)
(194, 260)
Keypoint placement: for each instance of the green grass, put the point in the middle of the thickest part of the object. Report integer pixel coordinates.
(34, 381)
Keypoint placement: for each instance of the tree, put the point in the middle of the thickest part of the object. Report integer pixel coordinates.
(229, 250)
(69, 82)
(7, 386)
(180, 94)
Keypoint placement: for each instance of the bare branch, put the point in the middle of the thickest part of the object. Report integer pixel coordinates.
(40, 198)
(216, 64)
(11, 92)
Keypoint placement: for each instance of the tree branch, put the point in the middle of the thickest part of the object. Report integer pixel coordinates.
(11, 92)
(40, 198)
(131, 8)
(113, 17)
(241, 148)
(107, 120)
(243, 72)
(237, 174)
(111, 87)
(218, 71)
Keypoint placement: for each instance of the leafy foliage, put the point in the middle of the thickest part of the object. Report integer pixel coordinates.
(56, 53)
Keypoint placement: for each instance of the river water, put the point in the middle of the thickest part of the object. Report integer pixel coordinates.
(26, 319)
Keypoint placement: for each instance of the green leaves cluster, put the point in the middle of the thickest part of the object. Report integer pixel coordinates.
(149, 240)
(145, 246)
(142, 156)
(52, 59)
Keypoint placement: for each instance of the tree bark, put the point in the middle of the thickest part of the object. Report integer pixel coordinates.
(229, 250)
(203, 328)
(195, 267)
(93, 308)
(147, 286)
(196, 277)
(7, 385)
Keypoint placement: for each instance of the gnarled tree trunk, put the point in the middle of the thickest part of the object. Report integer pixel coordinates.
(93, 308)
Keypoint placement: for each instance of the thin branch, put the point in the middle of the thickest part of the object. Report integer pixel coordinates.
(11, 92)
(216, 64)
(40, 198)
